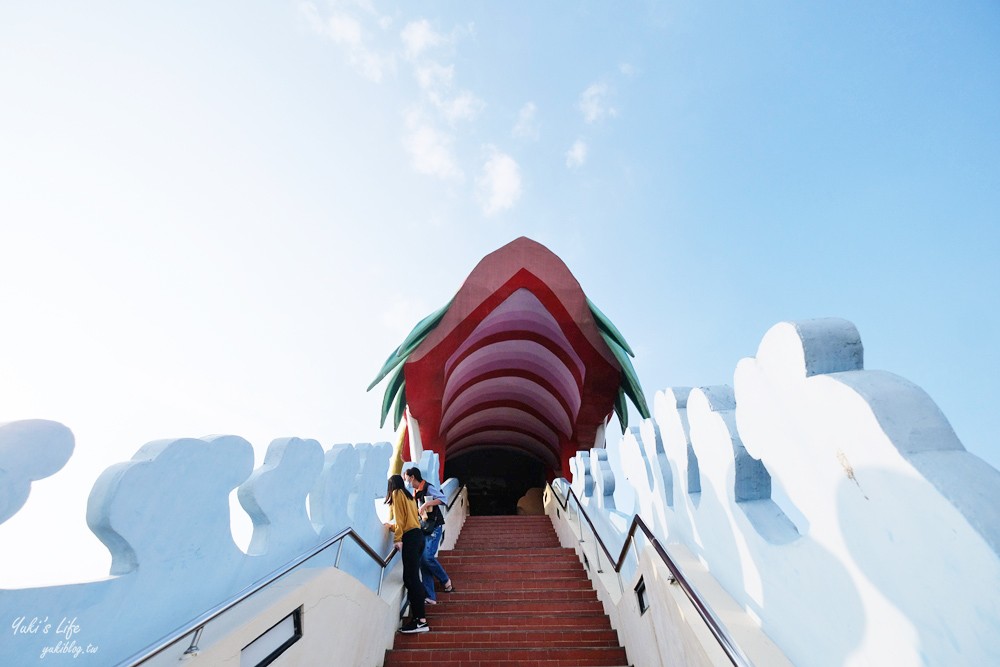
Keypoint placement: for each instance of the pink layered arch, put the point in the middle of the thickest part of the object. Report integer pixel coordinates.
(517, 362)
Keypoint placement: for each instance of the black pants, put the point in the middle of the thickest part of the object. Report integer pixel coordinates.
(413, 549)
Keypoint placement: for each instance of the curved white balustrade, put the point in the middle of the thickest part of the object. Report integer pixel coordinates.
(834, 504)
(164, 516)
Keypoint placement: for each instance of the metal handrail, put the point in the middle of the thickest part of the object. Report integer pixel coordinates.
(454, 498)
(198, 624)
(726, 641)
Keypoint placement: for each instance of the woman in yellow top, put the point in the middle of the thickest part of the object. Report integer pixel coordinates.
(409, 539)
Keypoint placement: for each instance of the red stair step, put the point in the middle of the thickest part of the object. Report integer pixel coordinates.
(513, 595)
(485, 621)
(505, 569)
(464, 580)
(521, 554)
(501, 657)
(535, 583)
(518, 607)
(511, 637)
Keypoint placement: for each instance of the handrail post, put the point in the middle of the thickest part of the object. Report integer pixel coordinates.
(597, 554)
(193, 648)
(340, 549)
(618, 567)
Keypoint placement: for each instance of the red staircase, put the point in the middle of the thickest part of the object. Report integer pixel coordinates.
(520, 599)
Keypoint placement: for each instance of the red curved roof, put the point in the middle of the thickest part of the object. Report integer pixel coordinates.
(516, 362)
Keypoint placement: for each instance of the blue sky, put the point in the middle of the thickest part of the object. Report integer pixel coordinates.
(220, 218)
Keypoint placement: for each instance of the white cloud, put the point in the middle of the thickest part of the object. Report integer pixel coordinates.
(434, 76)
(576, 156)
(527, 126)
(431, 151)
(464, 106)
(356, 26)
(499, 186)
(371, 65)
(348, 33)
(436, 82)
(310, 13)
(627, 70)
(593, 103)
(343, 29)
(418, 36)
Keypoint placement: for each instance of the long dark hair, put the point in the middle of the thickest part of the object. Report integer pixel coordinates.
(395, 484)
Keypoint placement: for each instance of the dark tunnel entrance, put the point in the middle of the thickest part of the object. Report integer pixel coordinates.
(497, 478)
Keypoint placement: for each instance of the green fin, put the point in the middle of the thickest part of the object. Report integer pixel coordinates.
(389, 364)
(400, 407)
(630, 380)
(395, 384)
(608, 328)
(621, 410)
(410, 343)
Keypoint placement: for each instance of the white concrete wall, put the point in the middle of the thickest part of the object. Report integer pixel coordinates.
(343, 623)
(662, 636)
(834, 505)
(670, 632)
(164, 516)
(30, 450)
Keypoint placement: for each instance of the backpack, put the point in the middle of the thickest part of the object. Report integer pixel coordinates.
(434, 517)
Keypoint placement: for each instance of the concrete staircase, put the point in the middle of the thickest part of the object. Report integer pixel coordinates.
(520, 599)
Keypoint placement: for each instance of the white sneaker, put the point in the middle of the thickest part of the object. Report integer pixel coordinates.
(415, 626)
